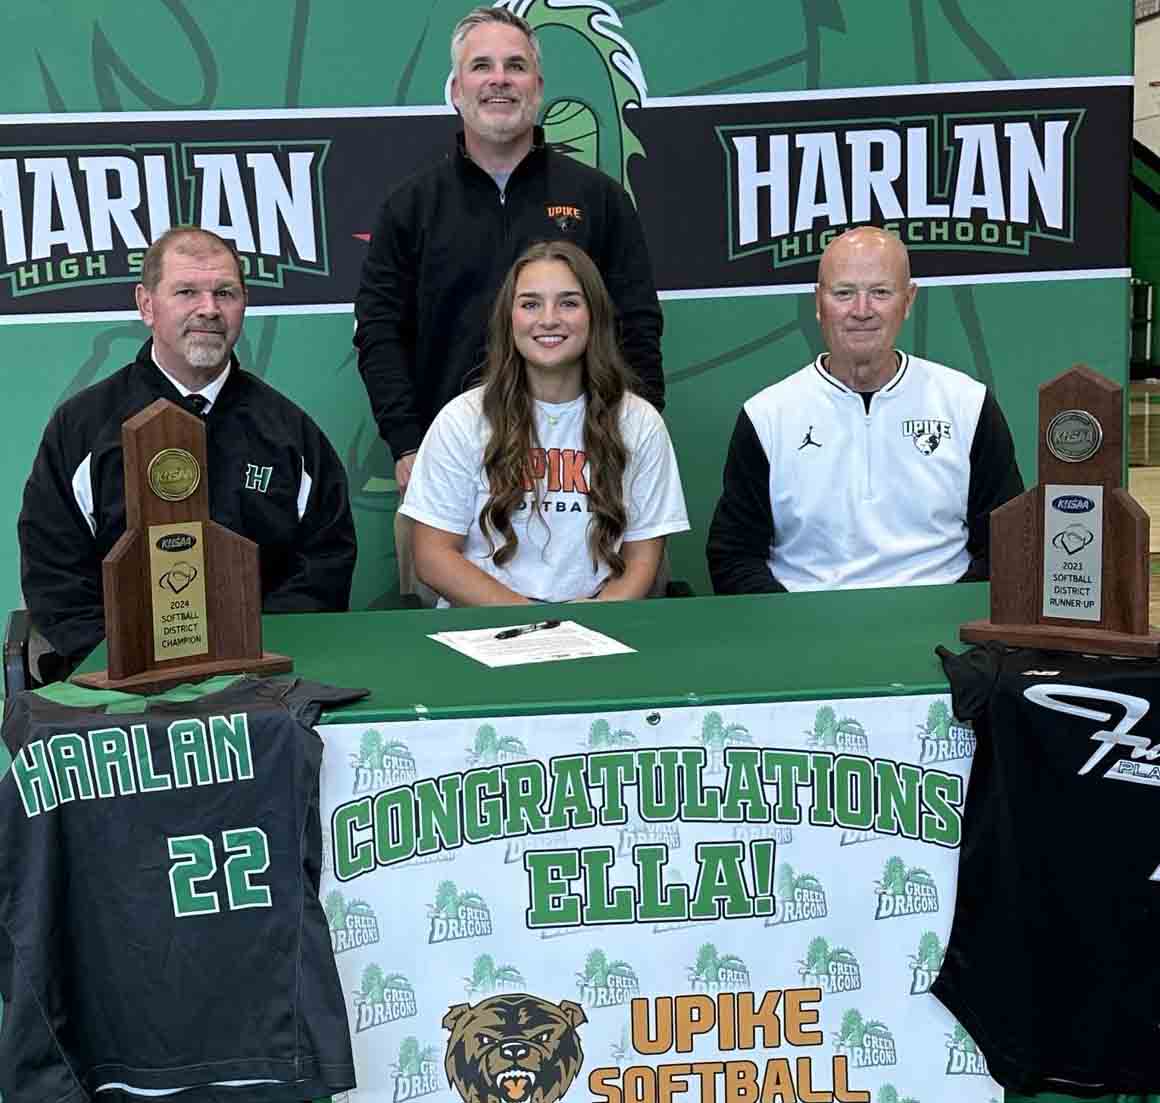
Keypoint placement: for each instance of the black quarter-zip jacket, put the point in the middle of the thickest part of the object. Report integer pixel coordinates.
(444, 242)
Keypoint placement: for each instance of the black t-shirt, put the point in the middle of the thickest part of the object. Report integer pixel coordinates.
(1052, 964)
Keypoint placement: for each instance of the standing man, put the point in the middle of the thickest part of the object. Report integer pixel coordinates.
(446, 238)
(273, 476)
(868, 467)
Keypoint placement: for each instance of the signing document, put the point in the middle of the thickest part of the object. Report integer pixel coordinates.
(544, 641)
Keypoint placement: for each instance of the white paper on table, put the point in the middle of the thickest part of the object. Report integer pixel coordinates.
(568, 640)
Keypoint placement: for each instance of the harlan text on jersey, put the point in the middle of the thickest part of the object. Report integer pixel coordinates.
(122, 761)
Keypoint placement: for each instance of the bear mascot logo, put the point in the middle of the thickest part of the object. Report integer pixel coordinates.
(513, 1048)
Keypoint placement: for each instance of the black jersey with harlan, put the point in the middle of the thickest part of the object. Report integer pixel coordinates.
(160, 927)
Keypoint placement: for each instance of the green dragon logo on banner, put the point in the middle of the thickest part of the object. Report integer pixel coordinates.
(352, 923)
(456, 915)
(926, 963)
(800, 897)
(382, 998)
(867, 1042)
(715, 972)
(416, 1070)
(594, 76)
(963, 1056)
(830, 968)
(888, 1093)
(905, 890)
(606, 983)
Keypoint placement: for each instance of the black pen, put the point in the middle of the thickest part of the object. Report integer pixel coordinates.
(524, 629)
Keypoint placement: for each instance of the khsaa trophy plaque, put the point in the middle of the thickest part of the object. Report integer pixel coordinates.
(182, 593)
(1069, 557)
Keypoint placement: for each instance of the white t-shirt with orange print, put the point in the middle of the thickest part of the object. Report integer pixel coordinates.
(448, 488)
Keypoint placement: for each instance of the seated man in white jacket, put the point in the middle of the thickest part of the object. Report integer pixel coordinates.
(868, 467)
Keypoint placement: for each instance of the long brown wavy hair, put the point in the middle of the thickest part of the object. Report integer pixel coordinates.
(508, 407)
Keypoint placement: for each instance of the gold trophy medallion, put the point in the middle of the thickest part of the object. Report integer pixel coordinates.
(174, 474)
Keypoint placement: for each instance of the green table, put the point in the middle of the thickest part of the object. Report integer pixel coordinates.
(688, 651)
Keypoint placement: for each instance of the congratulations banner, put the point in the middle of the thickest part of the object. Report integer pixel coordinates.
(651, 907)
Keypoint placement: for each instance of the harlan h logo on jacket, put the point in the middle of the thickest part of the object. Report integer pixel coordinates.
(926, 432)
(258, 478)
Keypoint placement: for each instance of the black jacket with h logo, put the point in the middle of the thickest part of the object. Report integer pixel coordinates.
(272, 476)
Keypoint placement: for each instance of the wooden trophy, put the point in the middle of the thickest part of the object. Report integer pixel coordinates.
(1069, 557)
(182, 594)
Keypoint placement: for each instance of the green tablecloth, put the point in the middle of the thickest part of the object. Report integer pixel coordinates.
(688, 651)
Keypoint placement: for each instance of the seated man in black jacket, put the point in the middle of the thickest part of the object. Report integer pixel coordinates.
(273, 475)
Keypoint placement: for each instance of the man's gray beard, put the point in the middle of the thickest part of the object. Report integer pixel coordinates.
(509, 130)
(205, 351)
(504, 133)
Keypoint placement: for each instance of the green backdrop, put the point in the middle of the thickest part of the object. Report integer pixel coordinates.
(108, 55)
(99, 55)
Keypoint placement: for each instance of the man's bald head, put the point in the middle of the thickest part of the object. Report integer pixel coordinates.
(864, 241)
(864, 295)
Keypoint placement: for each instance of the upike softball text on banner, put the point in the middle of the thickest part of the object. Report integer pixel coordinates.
(745, 904)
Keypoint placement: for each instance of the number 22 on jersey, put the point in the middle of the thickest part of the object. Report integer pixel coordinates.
(195, 861)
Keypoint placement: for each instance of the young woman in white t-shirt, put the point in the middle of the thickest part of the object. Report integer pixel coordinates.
(552, 481)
